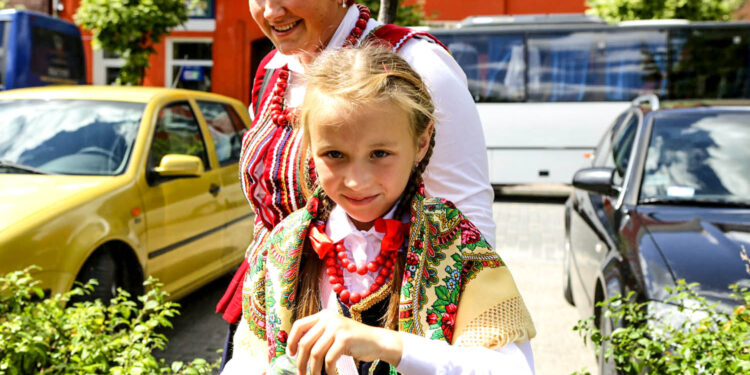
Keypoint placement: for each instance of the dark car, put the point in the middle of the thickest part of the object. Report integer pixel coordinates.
(667, 197)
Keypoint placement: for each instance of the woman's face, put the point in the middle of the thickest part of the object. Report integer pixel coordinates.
(300, 27)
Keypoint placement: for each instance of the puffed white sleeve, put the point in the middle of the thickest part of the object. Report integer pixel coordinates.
(424, 356)
(458, 169)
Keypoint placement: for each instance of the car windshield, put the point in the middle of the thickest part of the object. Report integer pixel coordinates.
(698, 158)
(76, 137)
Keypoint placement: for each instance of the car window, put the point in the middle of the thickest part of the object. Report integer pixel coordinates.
(603, 149)
(177, 132)
(75, 137)
(698, 157)
(622, 143)
(225, 129)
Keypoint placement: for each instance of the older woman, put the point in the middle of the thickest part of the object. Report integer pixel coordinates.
(272, 159)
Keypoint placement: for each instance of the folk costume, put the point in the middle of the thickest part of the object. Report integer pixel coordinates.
(272, 160)
(455, 289)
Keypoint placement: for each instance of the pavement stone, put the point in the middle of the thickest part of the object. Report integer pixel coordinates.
(530, 232)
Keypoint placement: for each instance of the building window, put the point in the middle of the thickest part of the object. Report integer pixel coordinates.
(107, 67)
(189, 63)
(201, 9)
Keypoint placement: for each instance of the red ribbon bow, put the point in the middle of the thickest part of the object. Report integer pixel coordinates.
(320, 241)
(395, 232)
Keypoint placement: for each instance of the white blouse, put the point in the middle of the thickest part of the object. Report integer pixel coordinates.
(458, 170)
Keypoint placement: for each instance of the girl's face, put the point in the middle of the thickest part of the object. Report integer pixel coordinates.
(364, 160)
(298, 26)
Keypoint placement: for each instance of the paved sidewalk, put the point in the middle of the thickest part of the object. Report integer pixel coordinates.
(530, 235)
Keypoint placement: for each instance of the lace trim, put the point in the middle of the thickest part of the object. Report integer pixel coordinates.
(506, 322)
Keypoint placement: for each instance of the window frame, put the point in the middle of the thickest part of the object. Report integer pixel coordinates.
(102, 63)
(239, 128)
(170, 62)
(154, 179)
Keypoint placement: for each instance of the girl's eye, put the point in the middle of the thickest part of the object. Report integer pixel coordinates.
(334, 154)
(380, 154)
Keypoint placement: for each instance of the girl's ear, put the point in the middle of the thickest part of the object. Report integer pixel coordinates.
(423, 142)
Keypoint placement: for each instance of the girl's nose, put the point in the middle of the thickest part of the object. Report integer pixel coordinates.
(358, 177)
(272, 9)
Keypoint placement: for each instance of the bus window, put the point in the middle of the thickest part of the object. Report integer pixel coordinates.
(506, 68)
(635, 64)
(3, 47)
(56, 57)
(39, 50)
(560, 66)
(494, 65)
(709, 63)
(596, 66)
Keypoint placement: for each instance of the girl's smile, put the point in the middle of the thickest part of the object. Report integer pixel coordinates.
(364, 158)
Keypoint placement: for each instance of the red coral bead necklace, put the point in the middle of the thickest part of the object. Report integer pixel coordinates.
(282, 115)
(337, 261)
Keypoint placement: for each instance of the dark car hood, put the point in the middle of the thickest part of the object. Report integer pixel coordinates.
(703, 245)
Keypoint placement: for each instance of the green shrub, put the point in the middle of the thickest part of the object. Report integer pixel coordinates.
(685, 335)
(48, 336)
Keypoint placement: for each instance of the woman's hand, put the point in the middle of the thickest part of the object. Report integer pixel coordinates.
(324, 337)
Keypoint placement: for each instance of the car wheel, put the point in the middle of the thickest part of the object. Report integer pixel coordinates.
(103, 267)
(606, 366)
(567, 291)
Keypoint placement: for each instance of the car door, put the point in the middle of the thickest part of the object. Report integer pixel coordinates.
(593, 230)
(225, 129)
(183, 215)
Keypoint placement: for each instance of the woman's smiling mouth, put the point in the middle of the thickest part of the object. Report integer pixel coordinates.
(284, 28)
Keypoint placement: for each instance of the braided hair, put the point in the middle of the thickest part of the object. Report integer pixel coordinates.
(349, 79)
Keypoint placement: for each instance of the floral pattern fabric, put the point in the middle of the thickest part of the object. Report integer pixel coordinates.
(447, 258)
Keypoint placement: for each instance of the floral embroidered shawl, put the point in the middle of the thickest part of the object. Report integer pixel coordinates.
(455, 287)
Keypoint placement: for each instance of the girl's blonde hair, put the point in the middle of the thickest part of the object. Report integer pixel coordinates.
(349, 79)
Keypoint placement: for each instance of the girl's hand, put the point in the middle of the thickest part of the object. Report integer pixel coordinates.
(324, 337)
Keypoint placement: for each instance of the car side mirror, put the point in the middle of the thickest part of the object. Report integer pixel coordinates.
(596, 180)
(174, 165)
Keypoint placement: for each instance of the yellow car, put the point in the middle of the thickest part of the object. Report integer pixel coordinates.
(119, 184)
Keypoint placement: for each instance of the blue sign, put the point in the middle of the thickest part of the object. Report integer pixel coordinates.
(192, 74)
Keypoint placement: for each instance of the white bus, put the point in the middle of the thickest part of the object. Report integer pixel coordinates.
(547, 87)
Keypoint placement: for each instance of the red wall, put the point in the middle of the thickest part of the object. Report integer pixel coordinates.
(460, 9)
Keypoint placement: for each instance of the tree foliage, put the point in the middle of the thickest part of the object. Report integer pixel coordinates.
(407, 15)
(685, 335)
(53, 336)
(130, 29)
(695, 10)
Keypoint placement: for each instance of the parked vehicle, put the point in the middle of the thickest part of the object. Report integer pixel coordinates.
(542, 84)
(39, 50)
(666, 197)
(120, 183)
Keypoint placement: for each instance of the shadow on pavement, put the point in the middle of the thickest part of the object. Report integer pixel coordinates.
(531, 199)
(532, 193)
(198, 331)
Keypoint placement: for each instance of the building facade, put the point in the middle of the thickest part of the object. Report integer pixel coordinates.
(219, 48)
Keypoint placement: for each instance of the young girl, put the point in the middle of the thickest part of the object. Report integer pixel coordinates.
(372, 277)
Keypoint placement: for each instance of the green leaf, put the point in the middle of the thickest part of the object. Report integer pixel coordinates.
(442, 293)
